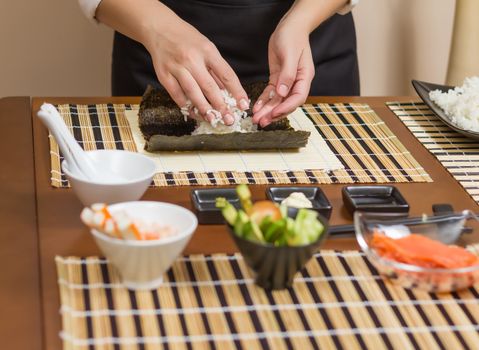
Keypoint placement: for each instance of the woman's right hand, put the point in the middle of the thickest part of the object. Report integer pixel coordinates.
(190, 67)
(186, 63)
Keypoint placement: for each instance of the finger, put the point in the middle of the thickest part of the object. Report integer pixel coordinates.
(176, 92)
(266, 121)
(174, 89)
(287, 75)
(264, 115)
(300, 90)
(297, 97)
(193, 91)
(230, 81)
(218, 81)
(267, 95)
(212, 91)
(228, 118)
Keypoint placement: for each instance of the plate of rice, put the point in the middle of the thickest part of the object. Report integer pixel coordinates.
(457, 107)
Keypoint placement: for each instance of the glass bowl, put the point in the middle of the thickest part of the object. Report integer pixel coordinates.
(446, 228)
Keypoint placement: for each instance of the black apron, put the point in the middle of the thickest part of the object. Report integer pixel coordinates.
(240, 29)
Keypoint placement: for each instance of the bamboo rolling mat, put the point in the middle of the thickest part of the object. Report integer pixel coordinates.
(366, 147)
(456, 152)
(315, 155)
(210, 302)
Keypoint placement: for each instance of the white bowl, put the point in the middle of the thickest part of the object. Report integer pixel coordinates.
(137, 169)
(142, 264)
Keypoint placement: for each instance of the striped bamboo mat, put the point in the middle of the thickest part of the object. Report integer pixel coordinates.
(210, 302)
(366, 147)
(456, 152)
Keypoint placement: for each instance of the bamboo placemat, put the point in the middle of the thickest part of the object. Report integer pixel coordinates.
(210, 302)
(456, 152)
(367, 148)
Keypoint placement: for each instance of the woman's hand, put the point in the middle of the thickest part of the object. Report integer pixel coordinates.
(190, 67)
(186, 63)
(291, 72)
(290, 59)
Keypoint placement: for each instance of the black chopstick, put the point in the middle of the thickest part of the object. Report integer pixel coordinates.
(348, 230)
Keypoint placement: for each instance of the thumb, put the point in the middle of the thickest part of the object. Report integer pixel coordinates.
(287, 76)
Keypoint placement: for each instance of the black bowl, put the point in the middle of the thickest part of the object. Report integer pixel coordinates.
(274, 266)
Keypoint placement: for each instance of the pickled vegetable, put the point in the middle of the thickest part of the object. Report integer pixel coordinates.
(266, 222)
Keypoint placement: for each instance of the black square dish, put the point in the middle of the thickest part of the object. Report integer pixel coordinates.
(378, 199)
(204, 204)
(317, 197)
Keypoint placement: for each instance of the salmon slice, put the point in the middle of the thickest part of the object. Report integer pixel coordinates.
(422, 251)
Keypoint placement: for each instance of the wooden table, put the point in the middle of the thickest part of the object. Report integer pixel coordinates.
(39, 222)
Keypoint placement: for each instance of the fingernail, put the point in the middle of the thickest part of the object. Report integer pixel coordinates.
(210, 116)
(228, 119)
(264, 122)
(244, 104)
(283, 90)
(271, 94)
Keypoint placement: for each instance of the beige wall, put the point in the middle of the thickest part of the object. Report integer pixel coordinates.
(48, 48)
(399, 40)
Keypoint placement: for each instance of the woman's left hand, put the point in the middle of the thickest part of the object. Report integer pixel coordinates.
(291, 73)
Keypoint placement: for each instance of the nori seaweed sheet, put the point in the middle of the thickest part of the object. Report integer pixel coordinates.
(260, 140)
(159, 114)
(165, 129)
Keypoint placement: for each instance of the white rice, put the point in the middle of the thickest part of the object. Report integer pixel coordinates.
(461, 105)
(241, 123)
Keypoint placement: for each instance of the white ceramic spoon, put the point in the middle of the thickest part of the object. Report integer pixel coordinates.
(78, 160)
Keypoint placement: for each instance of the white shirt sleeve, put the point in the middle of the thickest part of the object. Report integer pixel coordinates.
(346, 9)
(89, 8)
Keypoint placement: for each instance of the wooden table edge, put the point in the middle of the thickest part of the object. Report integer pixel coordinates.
(21, 321)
